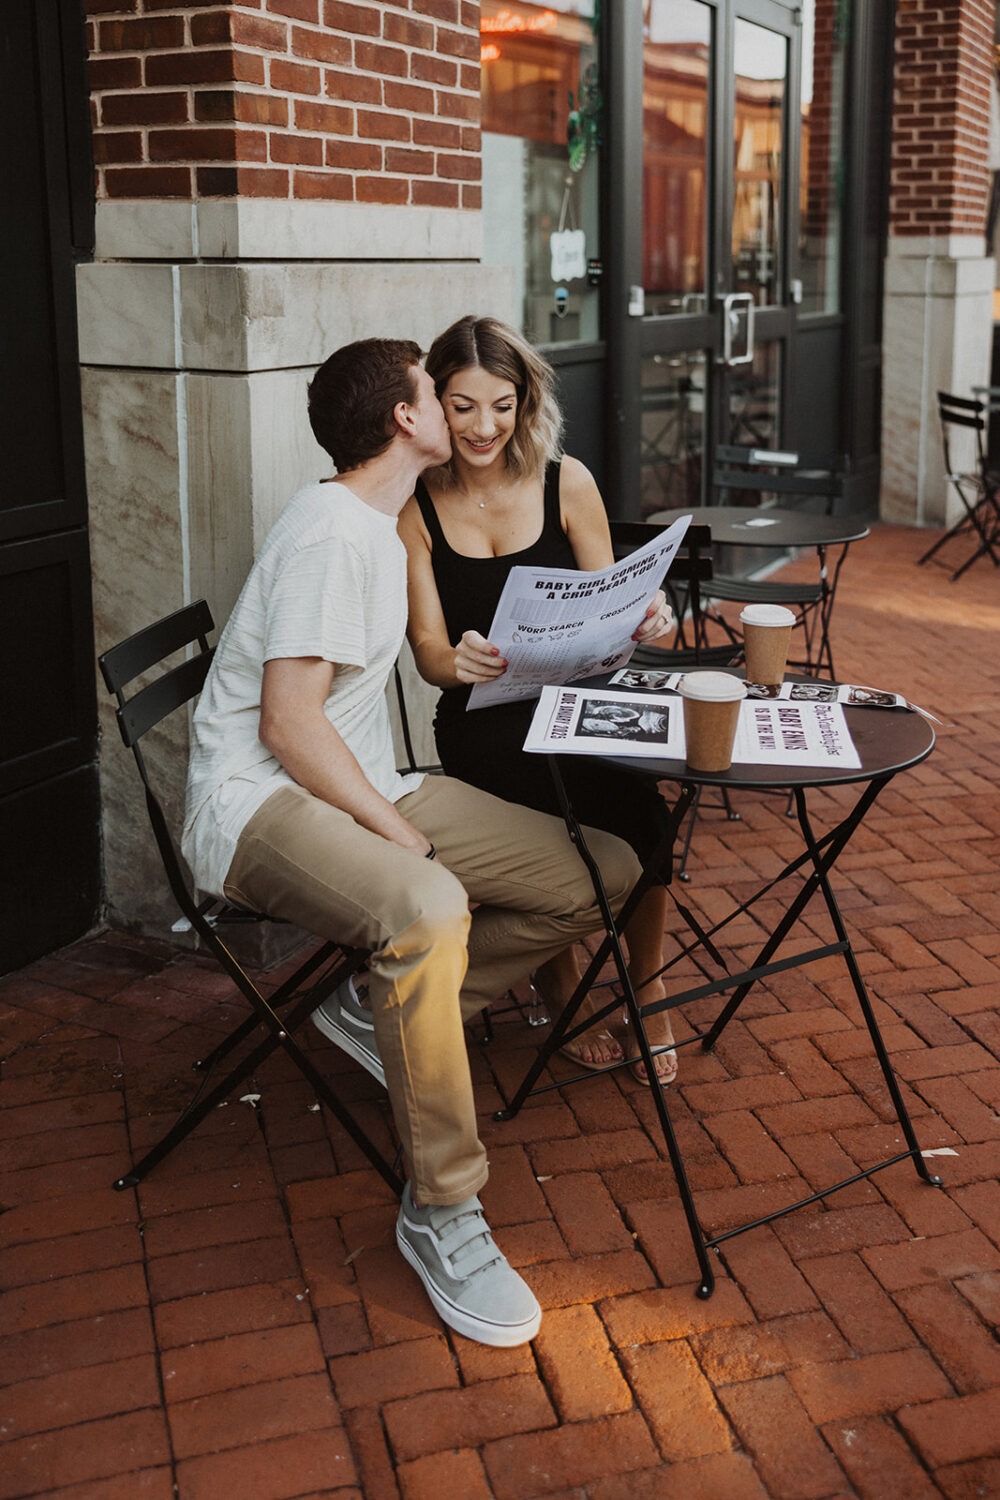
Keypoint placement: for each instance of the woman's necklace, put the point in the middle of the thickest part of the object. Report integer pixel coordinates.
(495, 494)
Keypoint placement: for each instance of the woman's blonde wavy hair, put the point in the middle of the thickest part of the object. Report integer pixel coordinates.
(500, 349)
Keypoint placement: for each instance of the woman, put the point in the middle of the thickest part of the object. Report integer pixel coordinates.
(505, 498)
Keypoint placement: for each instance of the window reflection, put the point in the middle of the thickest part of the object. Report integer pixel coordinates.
(825, 27)
(752, 402)
(541, 116)
(761, 71)
(675, 107)
(672, 436)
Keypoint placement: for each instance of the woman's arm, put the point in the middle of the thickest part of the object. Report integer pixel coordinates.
(440, 663)
(294, 728)
(585, 522)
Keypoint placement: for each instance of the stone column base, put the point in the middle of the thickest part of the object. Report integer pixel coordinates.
(937, 335)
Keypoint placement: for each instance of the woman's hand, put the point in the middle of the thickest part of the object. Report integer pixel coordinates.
(659, 619)
(476, 660)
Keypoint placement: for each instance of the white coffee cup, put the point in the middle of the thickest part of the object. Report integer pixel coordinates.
(711, 711)
(767, 634)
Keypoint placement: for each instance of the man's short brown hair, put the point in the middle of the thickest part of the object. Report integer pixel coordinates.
(352, 396)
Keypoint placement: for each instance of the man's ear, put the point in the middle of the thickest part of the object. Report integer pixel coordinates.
(404, 416)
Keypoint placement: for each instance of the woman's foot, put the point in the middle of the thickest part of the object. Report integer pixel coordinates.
(665, 1063)
(661, 1041)
(593, 1048)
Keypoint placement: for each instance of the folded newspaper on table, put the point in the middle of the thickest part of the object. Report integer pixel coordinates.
(558, 625)
(812, 691)
(770, 732)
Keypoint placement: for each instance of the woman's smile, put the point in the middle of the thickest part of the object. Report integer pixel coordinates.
(482, 413)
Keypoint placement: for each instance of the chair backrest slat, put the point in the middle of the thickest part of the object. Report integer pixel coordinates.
(962, 411)
(774, 471)
(140, 709)
(694, 556)
(158, 699)
(692, 566)
(123, 663)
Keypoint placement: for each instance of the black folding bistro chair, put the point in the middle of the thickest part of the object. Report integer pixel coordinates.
(743, 475)
(977, 487)
(150, 683)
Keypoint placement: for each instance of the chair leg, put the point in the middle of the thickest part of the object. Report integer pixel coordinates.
(278, 1034)
(682, 873)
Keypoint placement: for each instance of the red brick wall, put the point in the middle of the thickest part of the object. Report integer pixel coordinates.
(355, 100)
(944, 63)
(816, 171)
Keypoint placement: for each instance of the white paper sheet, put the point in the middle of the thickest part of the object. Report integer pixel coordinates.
(558, 625)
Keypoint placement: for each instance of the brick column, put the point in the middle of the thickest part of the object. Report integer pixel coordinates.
(274, 178)
(938, 313)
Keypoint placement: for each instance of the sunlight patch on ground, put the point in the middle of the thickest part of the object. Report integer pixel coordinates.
(951, 611)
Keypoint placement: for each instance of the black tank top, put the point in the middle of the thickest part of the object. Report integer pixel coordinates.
(470, 587)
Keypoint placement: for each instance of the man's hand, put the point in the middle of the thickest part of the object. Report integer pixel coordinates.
(294, 728)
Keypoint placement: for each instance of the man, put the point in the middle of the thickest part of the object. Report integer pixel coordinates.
(295, 808)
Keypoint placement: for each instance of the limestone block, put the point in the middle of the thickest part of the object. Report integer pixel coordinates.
(219, 488)
(937, 335)
(249, 317)
(256, 229)
(133, 453)
(284, 454)
(126, 315)
(250, 448)
(140, 229)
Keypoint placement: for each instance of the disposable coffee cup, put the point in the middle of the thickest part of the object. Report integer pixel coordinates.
(767, 634)
(711, 710)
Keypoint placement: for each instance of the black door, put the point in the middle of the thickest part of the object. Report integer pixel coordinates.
(49, 810)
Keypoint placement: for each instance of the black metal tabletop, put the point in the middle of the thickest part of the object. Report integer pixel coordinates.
(753, 526)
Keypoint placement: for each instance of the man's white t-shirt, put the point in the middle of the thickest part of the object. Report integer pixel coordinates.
(330, 581)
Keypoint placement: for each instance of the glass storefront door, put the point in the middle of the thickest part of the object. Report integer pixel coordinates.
(666, 179)
(716, 188)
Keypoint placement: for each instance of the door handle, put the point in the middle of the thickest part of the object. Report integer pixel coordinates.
(737, 308)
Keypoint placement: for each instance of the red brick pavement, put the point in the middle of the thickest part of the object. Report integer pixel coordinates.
(241, 1325)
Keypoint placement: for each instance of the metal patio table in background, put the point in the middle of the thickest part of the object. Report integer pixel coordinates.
(782, 530)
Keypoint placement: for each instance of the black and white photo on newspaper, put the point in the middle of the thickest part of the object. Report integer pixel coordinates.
(592, 721)
(559, 625)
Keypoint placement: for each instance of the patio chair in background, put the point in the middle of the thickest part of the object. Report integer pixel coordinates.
(796, 482)
(150, 683)
(978, 487)
(744, 476)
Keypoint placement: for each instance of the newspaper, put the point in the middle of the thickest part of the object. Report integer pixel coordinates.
(769, 732)
(850, 694)
(805, 692)
(558, 625)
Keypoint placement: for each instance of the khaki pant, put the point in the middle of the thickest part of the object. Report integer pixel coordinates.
(433, 965)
